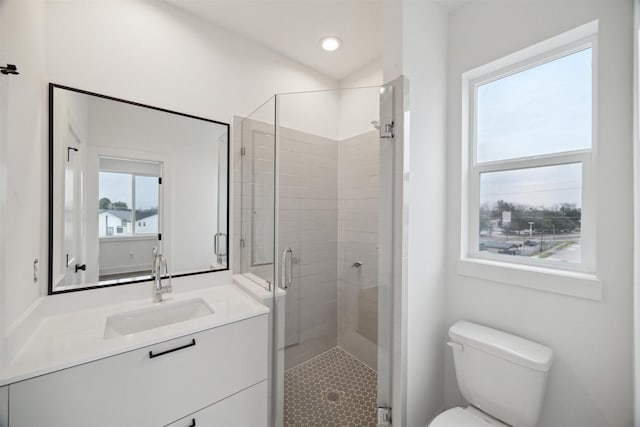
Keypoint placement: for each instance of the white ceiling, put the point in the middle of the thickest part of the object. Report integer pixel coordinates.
(294, 28)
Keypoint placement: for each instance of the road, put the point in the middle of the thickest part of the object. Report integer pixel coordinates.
(569, 254)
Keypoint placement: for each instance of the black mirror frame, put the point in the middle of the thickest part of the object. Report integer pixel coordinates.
(53, 86)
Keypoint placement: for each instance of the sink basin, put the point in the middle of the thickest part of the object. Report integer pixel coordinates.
(163, 314)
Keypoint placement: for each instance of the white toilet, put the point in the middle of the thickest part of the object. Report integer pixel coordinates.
(502, 376)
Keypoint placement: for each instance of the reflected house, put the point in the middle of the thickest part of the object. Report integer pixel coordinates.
(117, 222)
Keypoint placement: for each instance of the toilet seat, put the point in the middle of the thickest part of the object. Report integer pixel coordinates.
(460, 417)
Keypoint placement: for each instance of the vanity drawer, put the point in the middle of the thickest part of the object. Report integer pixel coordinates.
(151, 386)
(247, 408)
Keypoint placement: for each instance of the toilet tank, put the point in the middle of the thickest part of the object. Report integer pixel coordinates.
(502, 374)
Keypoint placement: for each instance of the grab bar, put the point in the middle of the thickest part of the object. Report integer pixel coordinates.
(286, 268)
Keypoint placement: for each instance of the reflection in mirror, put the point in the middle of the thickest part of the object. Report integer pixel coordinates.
(126, 178)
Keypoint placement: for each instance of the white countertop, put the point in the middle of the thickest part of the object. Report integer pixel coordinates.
(66, 339)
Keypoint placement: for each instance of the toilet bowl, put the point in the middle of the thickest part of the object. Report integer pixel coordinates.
(503, 374)
(465, 417)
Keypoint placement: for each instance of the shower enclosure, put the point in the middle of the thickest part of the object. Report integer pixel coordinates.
(315, 224)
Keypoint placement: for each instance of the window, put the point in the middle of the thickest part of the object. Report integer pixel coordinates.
(530, 142)
(129, 197)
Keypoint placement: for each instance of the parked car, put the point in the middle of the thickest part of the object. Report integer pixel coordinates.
(510, 251)
(530, 243)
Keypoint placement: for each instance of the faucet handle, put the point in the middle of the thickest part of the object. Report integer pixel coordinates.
(168, 287)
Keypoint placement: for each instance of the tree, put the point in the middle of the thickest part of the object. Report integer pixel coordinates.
(105, 203)
(565, 217)
(119, 205)
(485, 218)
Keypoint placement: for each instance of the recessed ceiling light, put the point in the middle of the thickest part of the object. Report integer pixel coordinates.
(331, 43)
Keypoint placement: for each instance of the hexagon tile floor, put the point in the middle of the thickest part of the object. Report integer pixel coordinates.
(333, 389)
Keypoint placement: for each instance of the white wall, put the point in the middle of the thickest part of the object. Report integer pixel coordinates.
(174, 60)
(424, 64)
(26, 154)
(336, 114)
(419, 53)
(316, 113)
(126, 256)
(359, 107)
(144, 51)
(591, 378)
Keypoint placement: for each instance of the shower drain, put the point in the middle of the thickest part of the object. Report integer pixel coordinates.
(333, 396)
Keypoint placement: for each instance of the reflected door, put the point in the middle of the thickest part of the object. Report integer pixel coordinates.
(73, 265)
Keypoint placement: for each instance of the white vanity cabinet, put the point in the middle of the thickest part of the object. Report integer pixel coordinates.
(245, 409)
(154, 385)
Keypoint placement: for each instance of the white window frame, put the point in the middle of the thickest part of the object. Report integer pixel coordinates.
(572, 278)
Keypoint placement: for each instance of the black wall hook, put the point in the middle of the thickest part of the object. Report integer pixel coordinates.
(9, 69)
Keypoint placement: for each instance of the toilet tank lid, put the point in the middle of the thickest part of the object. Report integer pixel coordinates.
(501, 344)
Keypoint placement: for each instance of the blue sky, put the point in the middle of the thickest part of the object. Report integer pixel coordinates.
(542, 110)
(117, 187)
(537, 187)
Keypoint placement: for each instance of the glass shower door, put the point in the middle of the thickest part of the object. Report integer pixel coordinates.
(316, 177)
(257, 190)
(333, 254)
(254, 174)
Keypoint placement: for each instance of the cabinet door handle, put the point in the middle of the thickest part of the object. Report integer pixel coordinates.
(182, 347)
(193, 423)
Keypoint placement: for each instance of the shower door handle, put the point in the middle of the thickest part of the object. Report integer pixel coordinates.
(286, 268)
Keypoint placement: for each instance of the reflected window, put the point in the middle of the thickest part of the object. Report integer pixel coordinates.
(146, 204)
(129, 197)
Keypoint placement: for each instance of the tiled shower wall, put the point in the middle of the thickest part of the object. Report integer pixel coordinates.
(358, 185)
(309, 226)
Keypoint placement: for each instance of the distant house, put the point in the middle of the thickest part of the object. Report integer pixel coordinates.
(117, 222)
(146, 223)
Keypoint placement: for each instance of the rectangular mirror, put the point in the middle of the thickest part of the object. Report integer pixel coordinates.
(125, 178)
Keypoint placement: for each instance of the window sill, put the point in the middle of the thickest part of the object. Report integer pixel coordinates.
(581, 285)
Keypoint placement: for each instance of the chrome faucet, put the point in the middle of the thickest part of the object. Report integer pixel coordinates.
(159, 265)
